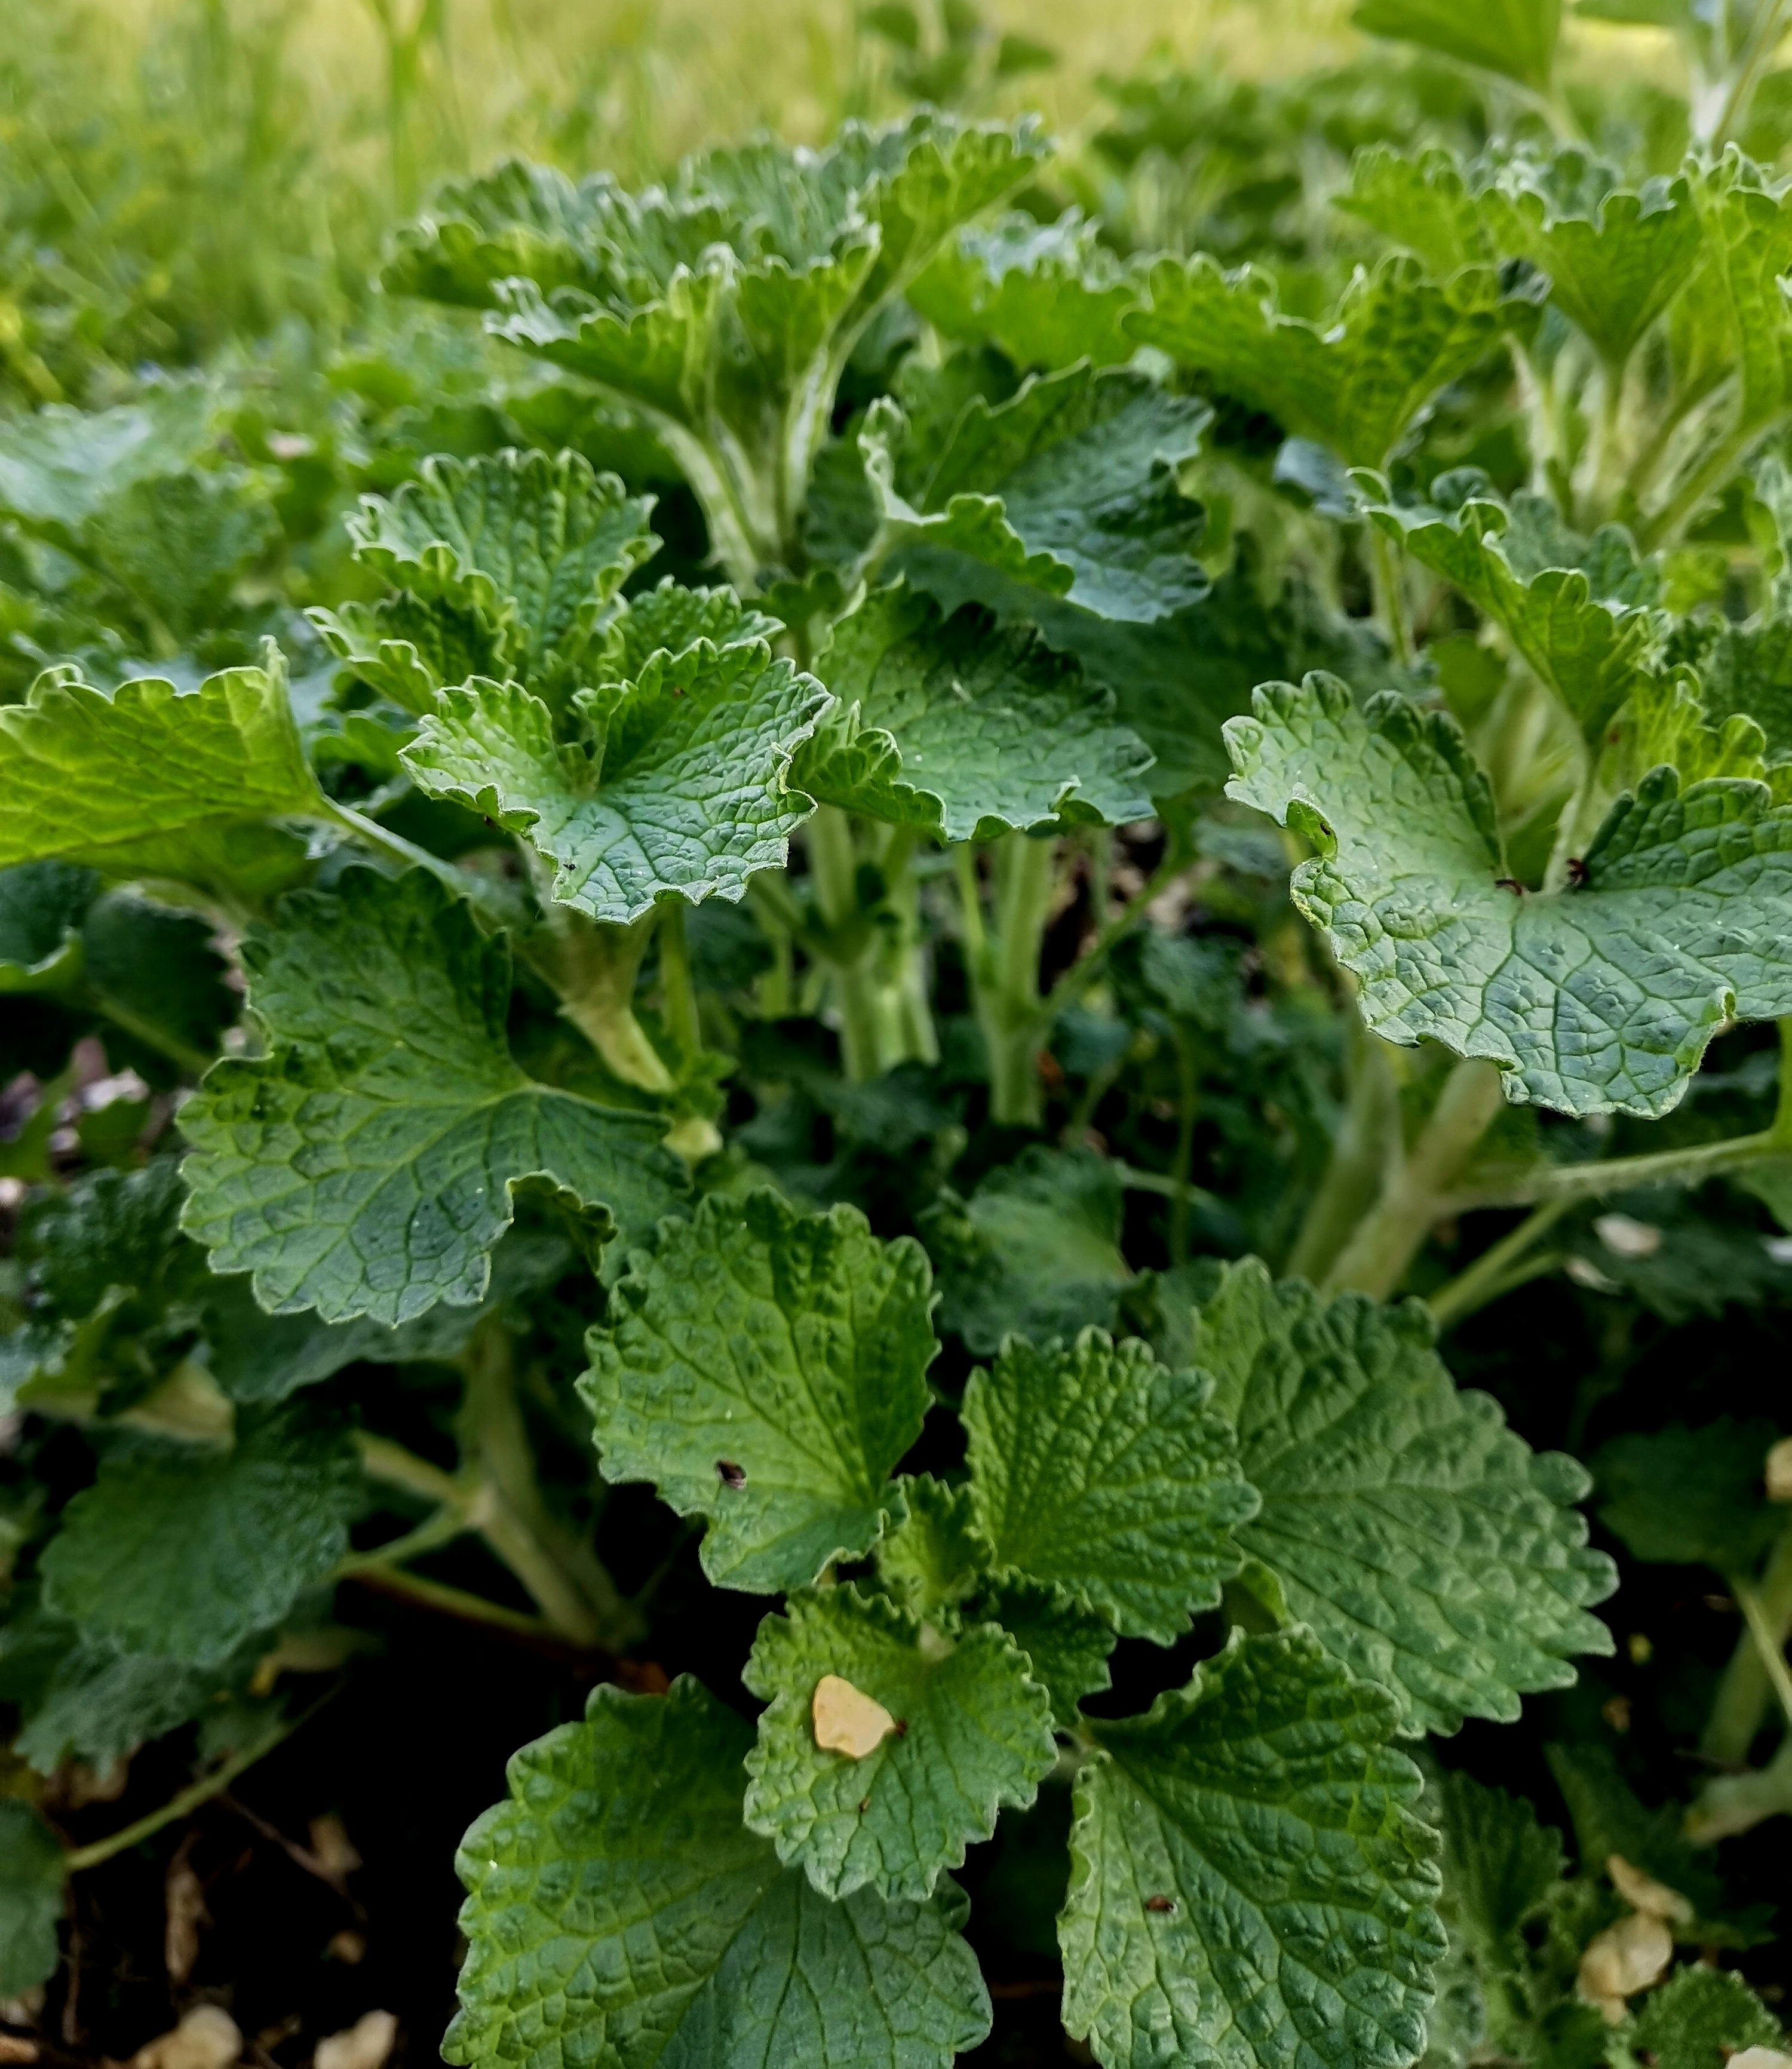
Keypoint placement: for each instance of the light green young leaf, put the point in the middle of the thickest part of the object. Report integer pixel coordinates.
(952, 726)
(1427, 1544)
(935, 1555)
(59, 466)
(1068, 1644)
(766, 1368)
(1748, 672)
(972, 1732)
(1499, 1867)
(42, 906)
(1355, 383)
(31, 1876)
(619, 1911)
(406, 651)
(365, 1165)
(1516, 39)
(1065, 496)
(1094, 1467)
(538, 547)
(152, 782)
(1249, 1884)
(188, 1553)
(1425, 204)
(1733, 326)
(1574, 608)
(676, 784)
(672, 620)
(1047, 294)
(1597, 999)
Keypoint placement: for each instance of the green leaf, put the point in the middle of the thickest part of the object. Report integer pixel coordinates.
(59, 466)
(177, 543)
(1698, 2019)
(42, 905)
(365, 1165)
(1424, 204)
(537, 547)
(1067, 1643)
(1747, 672)
(958, 727)
(619, 1910)
(1249, 1883)
(1429, 1547)
(188, 1553)
(1516, 39)
(1355, 383)
(1094, 1467)
(934, 1557)
(1047, 294)
(152, 782)
(1692, 1497)
(973, 1733)
(406, 650)
(676, 784)
(159, 977)
(1067, 490)
(1035, 1250)
(765, 1369)
(1597, 999)
(101, 1704)
(1734, 323)
(31, 1875)
(673, 620)
(1573, 608)
(1500, 1866)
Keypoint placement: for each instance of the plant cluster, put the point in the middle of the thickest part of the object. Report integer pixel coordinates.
(936, 846)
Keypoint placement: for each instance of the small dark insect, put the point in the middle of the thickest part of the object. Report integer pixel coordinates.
(731, 1476)
(902, 1727)
(1510, 883)
(1577, 872)
(864, 1805)
(1159, 1903)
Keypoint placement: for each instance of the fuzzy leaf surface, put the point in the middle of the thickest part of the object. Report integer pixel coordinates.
(1047, 294)
(793, 1347)
(1514, 38)
(1093, 1467)
(619, 1910)
(1250, 1886)
(1068, 1644)
(1595, 1000)
(1428, 1546)
(364, 1165)
(31, 1878)
(187, 1553)
(974, 1733)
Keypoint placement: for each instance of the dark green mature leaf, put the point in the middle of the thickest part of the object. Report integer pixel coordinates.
(618, 1910)
(1249, 1883)
(187, 1553)
(766, 1368)
(1692, 1497)
(152, 781)
(1035, 1250)
(1047, 294)
(974, 1733)
(101, 1704)
(1066, 492)
(1093, 1467)
(1428, 1545)
(955, 727)
(1355, 384)
(365, 1165)
(31, 1875)
(676, 784)
(1514, 38)
(1698, 2019)
(1593, 1000)
(1499, 1867)
(1748, 671)
(538, 548)
(1067, 1643)
(41, 905)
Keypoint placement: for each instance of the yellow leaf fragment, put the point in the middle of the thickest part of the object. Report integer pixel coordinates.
(1643, 1892)
(1779, 1488)
(1625, 1958)
(848, 1720)
(1761, 2058)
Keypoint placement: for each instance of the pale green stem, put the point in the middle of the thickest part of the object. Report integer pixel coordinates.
(1163, 1184)
(1365, 1156)
(833, 864)
(190, 1062)
(1690, 1166)
(1008, 1008)
(1391, 603)
(447, 1523)
(1493, 1272)
(1769, 1641)
(1740, 1703)
(678, 989)
(1730, 1804)
(455, 1602)
(594, 968)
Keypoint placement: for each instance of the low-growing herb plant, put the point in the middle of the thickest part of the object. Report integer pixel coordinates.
(931, 903)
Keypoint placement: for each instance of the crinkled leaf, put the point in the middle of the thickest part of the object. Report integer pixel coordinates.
(1423, 203)
(934, 1557)
(186, 1552)
(177, 543)
(101, 1704)
(1698, 2019)
(1692, 1497)
(1747, 672)
(671, 619)
(954, 726)
(1591, 1000)
(1499, 1868)
(974, 1733)
(766, 1368)
(1094, 1467)
(1514, 38)
(152, 781)
(1035, 1250)
(159, 976)
(1047, 294)
(31, 1875)
(1068, 1644)
(1355, 384)
(1067, 490)
(677, 784)
(1734, 322)
(364, 1165)
(1427, 1544)
(537, 546)
(1249, 1884)
(406, 650)
(619, 1911)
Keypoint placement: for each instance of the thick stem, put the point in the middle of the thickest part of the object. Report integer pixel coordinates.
(833, 864)
(1008, 1007)
(1770, 1639)
(594, 968)
(1732, 1803)
(1375, 1259)
(1690, 1166)
(1391, 603)
(1366, 1154)
(1740, 1708)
